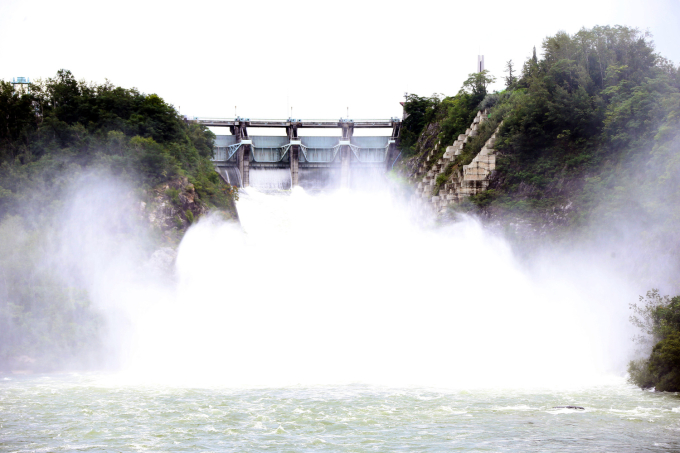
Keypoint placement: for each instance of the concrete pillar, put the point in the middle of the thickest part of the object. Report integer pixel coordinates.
(294, 154)
(244, 164)
(345, 155)
(243, 155)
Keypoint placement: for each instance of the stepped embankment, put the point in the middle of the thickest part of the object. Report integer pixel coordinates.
(461, 181)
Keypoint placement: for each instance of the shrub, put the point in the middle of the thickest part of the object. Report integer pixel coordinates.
(178, 222)
(659, 319)
(639, 374)
(664, 363)
(489, 101)
(173, 194)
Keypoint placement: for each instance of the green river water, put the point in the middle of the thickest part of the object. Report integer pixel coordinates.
(57, 413)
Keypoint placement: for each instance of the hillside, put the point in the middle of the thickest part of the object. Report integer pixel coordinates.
(106, 165)
(578, 159)
(589, 145)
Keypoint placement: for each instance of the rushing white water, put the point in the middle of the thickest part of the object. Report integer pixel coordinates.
(270, 178)
(342, 287)
(446, 340)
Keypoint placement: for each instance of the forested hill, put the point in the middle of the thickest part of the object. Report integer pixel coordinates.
(87, 170)
(598, 108)
(587, 169)
(590, 136)
(61, 123)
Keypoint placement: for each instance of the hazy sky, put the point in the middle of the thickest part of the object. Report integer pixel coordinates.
(318, 57)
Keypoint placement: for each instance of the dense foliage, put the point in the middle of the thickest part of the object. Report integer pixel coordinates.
(659, 319)
(590, 140)
(454, 114)
(64, 124)
(589, 154)
(598, 104)
(51, 136)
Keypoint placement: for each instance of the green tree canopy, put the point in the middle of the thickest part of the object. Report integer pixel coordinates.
(659, 319)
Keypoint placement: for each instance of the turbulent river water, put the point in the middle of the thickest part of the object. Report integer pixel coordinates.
(333, 322)
(94, 413)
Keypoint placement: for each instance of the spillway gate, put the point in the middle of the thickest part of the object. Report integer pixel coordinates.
(239, 153)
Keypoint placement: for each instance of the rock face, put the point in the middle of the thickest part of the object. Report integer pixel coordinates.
(472, 179)
(174, 206)
(428, 140)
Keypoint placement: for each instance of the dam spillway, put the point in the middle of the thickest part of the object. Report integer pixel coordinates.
(312, 162)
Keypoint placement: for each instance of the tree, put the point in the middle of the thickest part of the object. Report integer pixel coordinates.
(16, 119)
(419, 111)
(659, 319)
(50, 137)
(477, 83)
(664, 363)
(510, 79)
(648, 316)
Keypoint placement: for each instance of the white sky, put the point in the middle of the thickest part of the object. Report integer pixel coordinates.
(319, 57)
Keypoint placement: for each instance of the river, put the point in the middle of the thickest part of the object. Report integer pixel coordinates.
(333, 322)
(93, 413)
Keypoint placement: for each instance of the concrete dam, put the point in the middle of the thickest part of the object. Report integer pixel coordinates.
(311, 162)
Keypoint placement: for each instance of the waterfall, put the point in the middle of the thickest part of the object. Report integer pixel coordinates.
(341, 286)
(268, 179)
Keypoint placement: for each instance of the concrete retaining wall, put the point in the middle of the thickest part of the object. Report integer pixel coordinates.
(473, 178)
